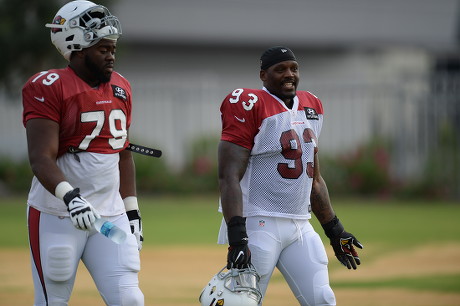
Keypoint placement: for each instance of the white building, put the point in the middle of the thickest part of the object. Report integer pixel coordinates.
(369, 61)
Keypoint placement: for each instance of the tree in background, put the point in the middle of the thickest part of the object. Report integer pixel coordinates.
(25, 43)
(24, 40)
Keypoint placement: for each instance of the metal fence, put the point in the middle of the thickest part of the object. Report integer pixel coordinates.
(418, 116)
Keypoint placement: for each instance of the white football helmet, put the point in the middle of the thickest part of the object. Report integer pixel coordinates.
(232, 288)
(81, 24)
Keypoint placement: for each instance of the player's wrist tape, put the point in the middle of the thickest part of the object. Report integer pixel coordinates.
(62, 189)
(236, 229)
(131, 203)
(133, 214)
(70, 195)
(333, 228)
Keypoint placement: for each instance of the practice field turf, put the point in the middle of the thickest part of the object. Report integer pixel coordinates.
(410, 257)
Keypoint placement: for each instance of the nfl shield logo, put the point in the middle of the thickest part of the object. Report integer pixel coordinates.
(261, 223)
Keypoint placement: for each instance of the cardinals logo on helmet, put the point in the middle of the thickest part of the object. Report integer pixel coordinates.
(58, 20)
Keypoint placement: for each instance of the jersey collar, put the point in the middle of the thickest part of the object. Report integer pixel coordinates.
(295, 104)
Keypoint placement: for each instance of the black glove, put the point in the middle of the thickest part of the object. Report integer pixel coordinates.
(342, 242)
(239, 255)
(135, 223)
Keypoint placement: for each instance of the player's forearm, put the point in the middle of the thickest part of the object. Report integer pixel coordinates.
(231, 200)
(233, 160)
(43, 145)
(320, 201)
(47, 173)
(127, 174)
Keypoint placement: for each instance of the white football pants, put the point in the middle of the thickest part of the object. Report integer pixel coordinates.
(56, 249)
(296, 250)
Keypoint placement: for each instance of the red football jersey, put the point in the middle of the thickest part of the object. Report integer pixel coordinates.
(90, 119)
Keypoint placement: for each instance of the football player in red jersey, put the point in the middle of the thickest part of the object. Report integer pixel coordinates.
(77, 121)
(270, 182)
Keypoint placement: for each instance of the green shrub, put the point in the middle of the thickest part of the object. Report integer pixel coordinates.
(198, 175)
(440, 175)
(15, 176)
(153, 176)
(364, 171)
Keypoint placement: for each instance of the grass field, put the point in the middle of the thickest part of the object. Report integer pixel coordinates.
(410, 257)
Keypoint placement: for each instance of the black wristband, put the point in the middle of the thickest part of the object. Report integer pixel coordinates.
(333, 228)
(133, 214)
(236, 229)
(70, 195)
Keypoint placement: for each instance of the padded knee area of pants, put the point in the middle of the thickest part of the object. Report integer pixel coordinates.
(323, 296)
(59, 264)
(322, 290)
(132, 296)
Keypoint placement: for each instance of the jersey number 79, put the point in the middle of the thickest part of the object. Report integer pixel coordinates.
(116, 116)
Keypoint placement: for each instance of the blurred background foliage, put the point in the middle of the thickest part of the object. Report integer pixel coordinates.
(362, 172)
(366, 170)
(25, 46)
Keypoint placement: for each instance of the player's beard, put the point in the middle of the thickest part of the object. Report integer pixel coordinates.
(97, 72)
(285, 95)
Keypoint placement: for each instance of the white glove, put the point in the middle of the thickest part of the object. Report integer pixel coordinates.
(135, 222)
(82, 213)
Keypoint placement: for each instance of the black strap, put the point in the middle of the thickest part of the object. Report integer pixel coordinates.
(131, 147)
(144, 150)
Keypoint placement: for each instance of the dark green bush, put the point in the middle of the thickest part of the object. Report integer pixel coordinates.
(364, 171)
(440, 175)
(197, 176)
(15, 176)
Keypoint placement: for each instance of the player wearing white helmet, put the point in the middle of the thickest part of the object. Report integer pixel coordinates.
(270, 183)
(77, 121)
(81, 24)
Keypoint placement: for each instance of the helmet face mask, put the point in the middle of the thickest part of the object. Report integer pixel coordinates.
(81, 24)
(233, 287)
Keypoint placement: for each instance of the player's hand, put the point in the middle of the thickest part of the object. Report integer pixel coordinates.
(82, 213)
(239, 255)
(135, 222)
(344, 250)
(343, 243)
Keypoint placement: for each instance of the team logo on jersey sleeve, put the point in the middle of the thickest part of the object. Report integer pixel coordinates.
(311, 113)
(119, 92)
